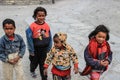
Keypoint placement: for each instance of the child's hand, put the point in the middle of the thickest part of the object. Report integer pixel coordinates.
(45, 71)
(32, 54)
(11, 61)
(76, 70)
(16, 59)
(104, 63)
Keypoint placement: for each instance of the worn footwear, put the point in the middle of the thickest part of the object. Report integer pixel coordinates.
(33, 74)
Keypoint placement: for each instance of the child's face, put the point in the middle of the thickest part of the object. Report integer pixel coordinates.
(57, 43)
(101, 37)
(9, 29)
(40, 17)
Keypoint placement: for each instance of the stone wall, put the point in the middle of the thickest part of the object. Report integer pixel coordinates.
(23, 2)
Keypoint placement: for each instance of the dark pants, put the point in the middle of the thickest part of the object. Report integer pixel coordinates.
(38, 59)
(56, 77)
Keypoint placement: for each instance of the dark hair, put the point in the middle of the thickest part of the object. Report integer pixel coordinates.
(99, 28)
(9, 21)
(39, 9)
(55, 36)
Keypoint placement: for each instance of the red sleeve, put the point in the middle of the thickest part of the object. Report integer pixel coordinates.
(46, 65)
(76, 65)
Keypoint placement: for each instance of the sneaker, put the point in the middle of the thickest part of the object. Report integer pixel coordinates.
(33, 74)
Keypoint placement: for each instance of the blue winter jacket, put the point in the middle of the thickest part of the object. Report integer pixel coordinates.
(7, 47)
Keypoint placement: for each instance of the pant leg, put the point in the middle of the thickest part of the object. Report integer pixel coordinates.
(95, 75)
(42, 53)
(68, 77)
(55, 77)
(41, 63)
(7, 71)
(19, 70)
(33, 62)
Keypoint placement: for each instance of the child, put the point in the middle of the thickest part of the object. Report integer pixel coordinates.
(12, 49)
(39, 41)
(97, 54)
(60, 56)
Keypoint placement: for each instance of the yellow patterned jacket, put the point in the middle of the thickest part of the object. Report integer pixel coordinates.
(61, 59)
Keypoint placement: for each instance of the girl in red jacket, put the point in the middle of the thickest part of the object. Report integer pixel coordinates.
(97, 54)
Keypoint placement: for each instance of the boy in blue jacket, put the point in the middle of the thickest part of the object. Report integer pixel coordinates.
(12, 49)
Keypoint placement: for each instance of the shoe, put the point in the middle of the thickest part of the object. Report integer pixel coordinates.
(33, 74)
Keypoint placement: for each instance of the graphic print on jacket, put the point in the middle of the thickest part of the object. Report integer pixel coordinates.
(61, 59)
(41, 34)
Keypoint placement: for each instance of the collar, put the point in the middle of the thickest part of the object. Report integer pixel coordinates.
(15, 38)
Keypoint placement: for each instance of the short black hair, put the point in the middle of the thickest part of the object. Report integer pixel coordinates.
(8, 21)
(55, 36)
(99, 28)
(39, 9)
